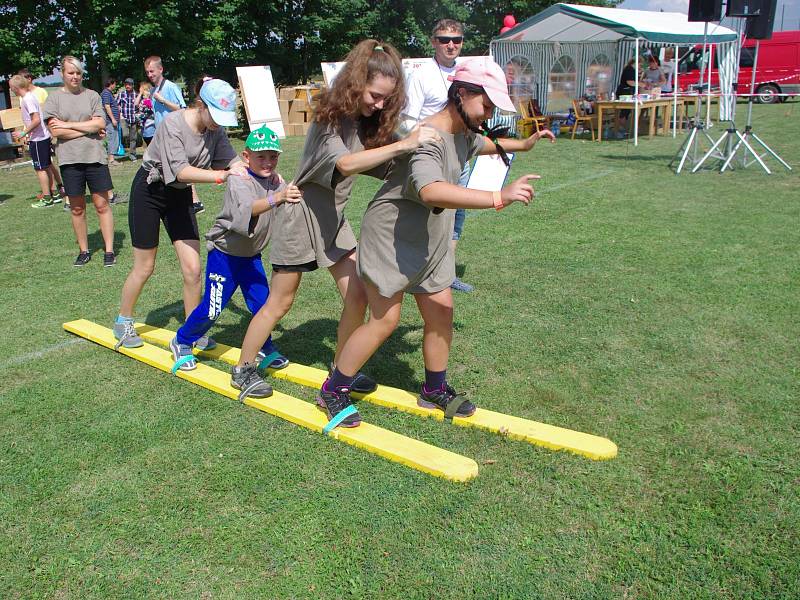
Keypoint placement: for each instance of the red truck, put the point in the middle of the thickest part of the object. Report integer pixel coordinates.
(778, 69)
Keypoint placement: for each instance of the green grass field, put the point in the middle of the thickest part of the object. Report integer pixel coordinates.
(658, 310)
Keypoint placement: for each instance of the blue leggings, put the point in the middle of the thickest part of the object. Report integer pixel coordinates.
(224, 274)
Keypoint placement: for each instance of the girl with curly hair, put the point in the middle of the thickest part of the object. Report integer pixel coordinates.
(352, 132)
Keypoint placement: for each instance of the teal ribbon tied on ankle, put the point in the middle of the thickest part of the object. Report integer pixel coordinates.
(334, 422)
(180, 362)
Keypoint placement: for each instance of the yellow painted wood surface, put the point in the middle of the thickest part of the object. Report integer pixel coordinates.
(533, 432)
(383, 442)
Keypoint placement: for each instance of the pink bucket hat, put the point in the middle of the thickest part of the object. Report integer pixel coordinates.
(490, 77)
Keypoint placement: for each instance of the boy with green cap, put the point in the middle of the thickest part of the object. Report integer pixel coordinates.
(235, 243)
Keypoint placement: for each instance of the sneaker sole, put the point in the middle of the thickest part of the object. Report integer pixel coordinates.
(251, 394)
(425, 404)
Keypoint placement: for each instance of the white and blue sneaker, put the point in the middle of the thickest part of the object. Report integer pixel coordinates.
(180, 353)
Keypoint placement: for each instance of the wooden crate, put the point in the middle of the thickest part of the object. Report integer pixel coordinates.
(11, 118)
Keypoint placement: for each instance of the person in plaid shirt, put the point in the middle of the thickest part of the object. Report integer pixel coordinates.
(128, 101)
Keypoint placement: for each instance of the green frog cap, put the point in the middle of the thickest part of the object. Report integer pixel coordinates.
(263, 138)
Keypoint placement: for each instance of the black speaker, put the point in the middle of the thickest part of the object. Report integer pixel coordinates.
(760, 27)
(744, 8)
(705, 10)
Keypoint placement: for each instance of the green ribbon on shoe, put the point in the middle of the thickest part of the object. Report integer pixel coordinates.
(181, 361)
(346, 412)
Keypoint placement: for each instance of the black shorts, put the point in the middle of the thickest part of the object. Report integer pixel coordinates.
(40, 154)
(153, 203)
(77, 176)
(304, 268)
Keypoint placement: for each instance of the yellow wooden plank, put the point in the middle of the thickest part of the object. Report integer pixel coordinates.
(533, 432)
(388, 444)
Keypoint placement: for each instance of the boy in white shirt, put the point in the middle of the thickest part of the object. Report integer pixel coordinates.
(38, 141)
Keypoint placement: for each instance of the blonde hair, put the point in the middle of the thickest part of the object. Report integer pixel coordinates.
(145, 87)
(153, 59)
(20, 81)
(69, 59)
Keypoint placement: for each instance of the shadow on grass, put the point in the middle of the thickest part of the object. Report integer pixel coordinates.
(96, 241)
(662, 158)
(312, 342)
(4, 197)
(160, 317)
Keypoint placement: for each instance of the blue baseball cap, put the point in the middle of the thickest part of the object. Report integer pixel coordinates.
(220, 98)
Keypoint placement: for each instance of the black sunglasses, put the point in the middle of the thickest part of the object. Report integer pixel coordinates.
(444, 39)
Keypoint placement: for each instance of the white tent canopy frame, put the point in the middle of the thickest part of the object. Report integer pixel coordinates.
(587, 32)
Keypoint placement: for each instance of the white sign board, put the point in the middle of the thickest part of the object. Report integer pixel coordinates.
(259, 98)
(331, 69)
(489, 173)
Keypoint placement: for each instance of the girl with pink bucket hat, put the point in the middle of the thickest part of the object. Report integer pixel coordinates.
(404, 245)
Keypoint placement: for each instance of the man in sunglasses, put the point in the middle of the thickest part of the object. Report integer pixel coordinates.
(427, 94)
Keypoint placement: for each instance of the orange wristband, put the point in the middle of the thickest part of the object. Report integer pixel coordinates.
(219, 181)
(497, 200)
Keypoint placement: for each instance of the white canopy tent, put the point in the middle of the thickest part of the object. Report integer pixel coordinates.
(584, 34)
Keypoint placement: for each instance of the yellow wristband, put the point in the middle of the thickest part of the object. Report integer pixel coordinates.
(497, 200)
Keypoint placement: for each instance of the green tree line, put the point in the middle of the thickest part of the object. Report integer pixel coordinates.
(214, 36)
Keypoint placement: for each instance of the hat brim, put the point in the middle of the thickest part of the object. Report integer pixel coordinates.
(225, 118)
(500, 99)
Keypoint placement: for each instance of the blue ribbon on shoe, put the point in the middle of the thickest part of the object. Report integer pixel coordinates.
(181, 361)
(338, 419)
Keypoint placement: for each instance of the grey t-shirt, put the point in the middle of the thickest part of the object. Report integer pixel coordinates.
(405, 245)
(69, 107)
(316, 228)
(236, 231)
(176, 145)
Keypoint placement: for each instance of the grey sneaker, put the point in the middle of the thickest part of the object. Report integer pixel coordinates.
(205, 343)
(460, 286)
(182, 352)
(126, 335)
(247, 379)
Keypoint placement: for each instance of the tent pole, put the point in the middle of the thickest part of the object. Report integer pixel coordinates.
(636, 100)
(708, 95)
(675, 93)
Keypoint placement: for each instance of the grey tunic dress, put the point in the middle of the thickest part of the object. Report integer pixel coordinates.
(405, 244)
(236, 231)
(176, 145)
(315, 229)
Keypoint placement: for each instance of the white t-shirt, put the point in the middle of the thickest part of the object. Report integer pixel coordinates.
(29, 105)
(426, 89)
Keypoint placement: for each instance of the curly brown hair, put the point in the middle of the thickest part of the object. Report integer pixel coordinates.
(343, 99)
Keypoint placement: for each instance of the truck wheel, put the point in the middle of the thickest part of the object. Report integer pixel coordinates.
(767, 94)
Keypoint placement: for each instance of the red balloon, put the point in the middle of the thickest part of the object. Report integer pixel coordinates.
(509, 21)
(504, 29)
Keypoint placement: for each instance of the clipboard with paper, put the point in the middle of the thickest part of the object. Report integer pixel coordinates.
(489, 173)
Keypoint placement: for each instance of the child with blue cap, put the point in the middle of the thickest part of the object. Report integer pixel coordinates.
(235, 242)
